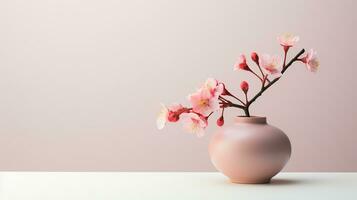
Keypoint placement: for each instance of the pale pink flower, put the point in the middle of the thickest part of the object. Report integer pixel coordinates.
(288, 39)
(311, 61)
(241, 63)
(213, 86)
(204, 102)
(162, 117)
(168, 114)
(193, 123)
(270, 64)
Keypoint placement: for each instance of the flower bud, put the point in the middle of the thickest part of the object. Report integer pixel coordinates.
(244, 86)
(173, 116)
(220, 121)
(242, 64)
(225, 92)
(255, 57)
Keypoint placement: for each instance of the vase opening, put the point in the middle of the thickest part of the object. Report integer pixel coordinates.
(251, 119)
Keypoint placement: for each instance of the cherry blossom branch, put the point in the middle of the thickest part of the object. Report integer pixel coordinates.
(227, 93)
(265, 76)
(223, 99)
(242, 64)
(261, 71)
(255, 58)
(275, 80)
(296, 58)
(246, 98)
(286, 49)
(236, 106)
(209, 115)
(227, 103)
(246, 108)
(213, 95)
(260, 78)
(237, 99)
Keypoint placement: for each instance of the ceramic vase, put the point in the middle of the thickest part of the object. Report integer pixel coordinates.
(250, 150)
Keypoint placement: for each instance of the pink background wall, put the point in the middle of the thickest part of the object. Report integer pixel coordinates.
(81, 81)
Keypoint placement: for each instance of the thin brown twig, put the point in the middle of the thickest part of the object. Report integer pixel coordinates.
(237, 99)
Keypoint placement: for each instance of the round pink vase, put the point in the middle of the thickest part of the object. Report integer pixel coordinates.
(249, 151)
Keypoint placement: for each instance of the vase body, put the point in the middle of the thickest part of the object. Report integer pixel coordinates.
(250, 150)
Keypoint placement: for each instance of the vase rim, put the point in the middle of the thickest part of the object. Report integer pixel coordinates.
(251, 119)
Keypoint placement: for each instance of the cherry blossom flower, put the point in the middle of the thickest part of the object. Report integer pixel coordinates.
(242, 64)
(270, 64)
(311, 61)
(175, 111)
(244, 86)
(288, 39)
(169, 114)
(213, 86)
(162, 117)
(203, 102)
(193, 123)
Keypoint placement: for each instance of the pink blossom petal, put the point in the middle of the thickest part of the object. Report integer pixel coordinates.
(162, 117)
(193, 123)
(203, 102)
(288, 39)
(311, 61)
(270, 64)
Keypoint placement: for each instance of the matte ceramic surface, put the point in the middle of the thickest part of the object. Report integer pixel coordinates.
(250, 150)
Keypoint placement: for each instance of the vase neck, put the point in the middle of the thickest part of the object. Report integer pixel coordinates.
(251, 120)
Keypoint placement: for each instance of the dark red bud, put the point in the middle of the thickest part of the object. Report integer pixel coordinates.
(220, 121)
(244, 86)
(244, 66)
(225, 91)
(255, 57)
(173, 116)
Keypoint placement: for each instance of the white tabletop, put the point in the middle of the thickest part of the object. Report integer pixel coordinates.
(171, 185)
